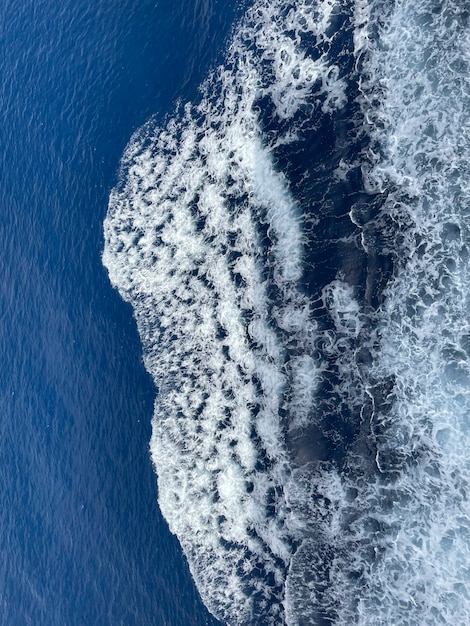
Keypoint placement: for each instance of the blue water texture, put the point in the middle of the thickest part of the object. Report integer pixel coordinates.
(82, 539)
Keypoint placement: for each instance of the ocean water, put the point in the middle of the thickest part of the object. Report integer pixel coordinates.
(82, 539)
(271, 425)
(293, 240)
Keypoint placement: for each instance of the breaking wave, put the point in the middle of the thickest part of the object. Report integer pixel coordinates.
(295, 249)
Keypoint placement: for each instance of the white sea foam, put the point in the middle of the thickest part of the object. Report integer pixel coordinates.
(205, 239)
(185, 245)
(399, 543)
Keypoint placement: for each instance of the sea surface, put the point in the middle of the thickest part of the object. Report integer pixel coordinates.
(235, 312)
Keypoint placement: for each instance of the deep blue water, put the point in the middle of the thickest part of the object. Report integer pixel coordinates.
(82, 539)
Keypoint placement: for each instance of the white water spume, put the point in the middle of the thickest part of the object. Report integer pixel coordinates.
(204, 238)
(400, 544)
(199, 232)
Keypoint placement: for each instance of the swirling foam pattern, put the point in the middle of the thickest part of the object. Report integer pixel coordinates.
(205, 237)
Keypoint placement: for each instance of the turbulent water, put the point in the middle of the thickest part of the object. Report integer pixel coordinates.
(295, 248)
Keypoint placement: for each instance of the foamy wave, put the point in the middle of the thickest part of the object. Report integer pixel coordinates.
(401, 552)
(203, 238)
(206, 238)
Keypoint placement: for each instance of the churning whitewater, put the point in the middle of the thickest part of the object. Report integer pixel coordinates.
(295, 248)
